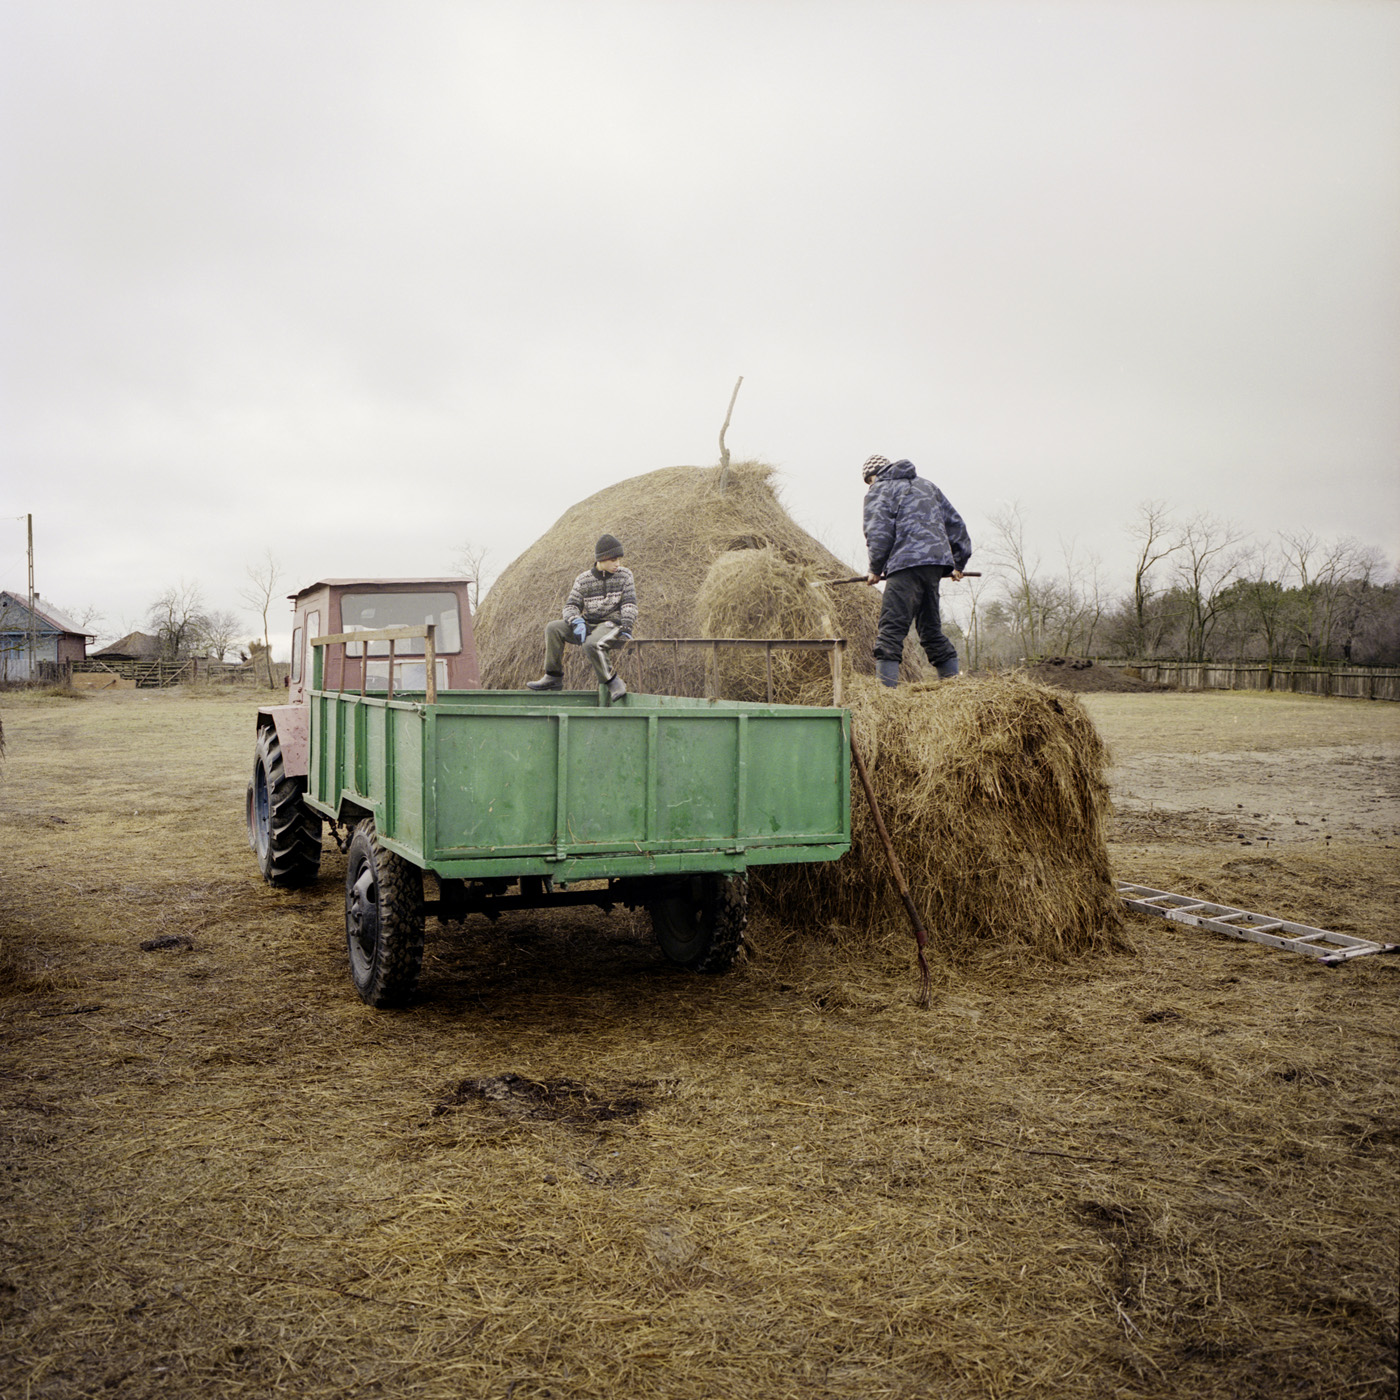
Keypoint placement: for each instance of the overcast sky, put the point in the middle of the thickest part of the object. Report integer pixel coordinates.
(361, 282)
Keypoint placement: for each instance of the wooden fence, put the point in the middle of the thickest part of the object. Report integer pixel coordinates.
(1349, 682)
(150, 675)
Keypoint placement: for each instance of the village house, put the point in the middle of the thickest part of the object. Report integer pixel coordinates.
(49, 639)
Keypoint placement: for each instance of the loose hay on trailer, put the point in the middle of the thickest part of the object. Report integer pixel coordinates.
(761, 594)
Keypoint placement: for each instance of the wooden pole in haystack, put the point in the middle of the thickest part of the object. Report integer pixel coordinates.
(723, 450)
(920, 934)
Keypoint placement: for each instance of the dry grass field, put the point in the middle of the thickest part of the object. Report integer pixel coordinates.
(569, 1171)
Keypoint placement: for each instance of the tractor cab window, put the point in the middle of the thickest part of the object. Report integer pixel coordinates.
(369, 612)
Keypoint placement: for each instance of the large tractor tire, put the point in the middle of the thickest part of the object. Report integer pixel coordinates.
(383, 919)
(283, 831)
(702, 928)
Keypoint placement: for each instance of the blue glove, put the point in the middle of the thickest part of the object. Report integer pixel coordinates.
(624, 636)
(580, 629)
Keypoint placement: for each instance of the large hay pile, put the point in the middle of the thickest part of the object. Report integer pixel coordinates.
(676, 527)
(993, 794)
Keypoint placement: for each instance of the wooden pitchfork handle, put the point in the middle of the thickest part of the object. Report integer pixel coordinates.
(920, 934)
(861, 578)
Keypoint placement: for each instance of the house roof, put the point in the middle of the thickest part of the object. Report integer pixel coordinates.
(48, 617)
(135, 646)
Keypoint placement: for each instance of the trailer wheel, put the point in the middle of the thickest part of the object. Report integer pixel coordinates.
(284, 833)
(701, 929)
(383, 920)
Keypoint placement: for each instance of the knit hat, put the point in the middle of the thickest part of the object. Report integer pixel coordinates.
(609, 547)
(873, 464)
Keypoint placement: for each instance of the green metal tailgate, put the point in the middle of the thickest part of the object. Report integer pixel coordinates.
(505, 783)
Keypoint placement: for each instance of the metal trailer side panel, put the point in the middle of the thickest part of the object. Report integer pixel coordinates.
(573, 784)
(367, 756)
(516, 786)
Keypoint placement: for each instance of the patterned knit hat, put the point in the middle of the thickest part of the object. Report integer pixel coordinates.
(609, 547)
(871, 465)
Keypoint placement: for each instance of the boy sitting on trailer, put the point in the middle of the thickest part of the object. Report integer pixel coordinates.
(599, 615)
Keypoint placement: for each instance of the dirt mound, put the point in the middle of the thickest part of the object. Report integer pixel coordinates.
(994, 795)
(676, 526)
(1079, 674)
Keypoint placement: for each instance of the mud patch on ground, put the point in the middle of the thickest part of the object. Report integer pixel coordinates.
(565, 1101)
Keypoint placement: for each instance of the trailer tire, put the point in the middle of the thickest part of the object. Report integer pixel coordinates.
(701, 929)
(283, 831)
(383, 920)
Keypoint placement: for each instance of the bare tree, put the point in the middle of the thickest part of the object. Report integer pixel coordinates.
(471, 560)
(258, 593)
(87, 619)
(221, 629)
(1080, 605)
(1267, 601)
(1359, 600)
(1212, 560)
(970, 594)
(1154, 531)
(179, 618)
(1324, 572)
(1026, 597)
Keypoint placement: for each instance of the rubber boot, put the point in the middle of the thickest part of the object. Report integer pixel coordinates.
(948, 670)
(888, 672)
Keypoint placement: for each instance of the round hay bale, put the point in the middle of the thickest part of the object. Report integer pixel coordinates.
(994, 796)
(674, 524)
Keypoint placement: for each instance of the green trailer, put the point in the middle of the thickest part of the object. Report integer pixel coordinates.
(512, 799)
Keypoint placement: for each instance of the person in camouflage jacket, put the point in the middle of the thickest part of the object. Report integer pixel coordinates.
(916, 539)
(599, 615)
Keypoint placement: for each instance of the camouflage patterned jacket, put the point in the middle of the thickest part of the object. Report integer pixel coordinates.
(598, 597)
(909, 521)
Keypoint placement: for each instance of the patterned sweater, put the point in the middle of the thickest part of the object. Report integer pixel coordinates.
(598, 597)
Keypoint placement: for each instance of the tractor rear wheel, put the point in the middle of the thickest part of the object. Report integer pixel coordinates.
(383, 919)
(701, 927)
(283, 831)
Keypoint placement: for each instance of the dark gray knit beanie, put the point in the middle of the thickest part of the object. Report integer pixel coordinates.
(871, 465)
(609, 547)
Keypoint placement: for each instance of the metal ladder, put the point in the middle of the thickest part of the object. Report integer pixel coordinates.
(1330, 949)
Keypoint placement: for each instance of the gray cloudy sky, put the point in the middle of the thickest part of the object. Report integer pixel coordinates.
(359, 282)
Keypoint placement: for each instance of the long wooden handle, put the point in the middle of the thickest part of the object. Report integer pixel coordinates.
(920, 934)
(862, 578)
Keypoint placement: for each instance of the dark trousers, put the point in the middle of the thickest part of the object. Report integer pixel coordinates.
(911, 596)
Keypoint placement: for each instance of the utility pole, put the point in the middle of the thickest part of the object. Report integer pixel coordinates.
(33, 633)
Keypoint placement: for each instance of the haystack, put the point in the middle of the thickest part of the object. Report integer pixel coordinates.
(993, 794)
(677, 526)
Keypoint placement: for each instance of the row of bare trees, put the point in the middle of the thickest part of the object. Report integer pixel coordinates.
(186, 626)
(1201, 590)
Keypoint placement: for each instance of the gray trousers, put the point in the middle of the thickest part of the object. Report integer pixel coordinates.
(601, 639)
